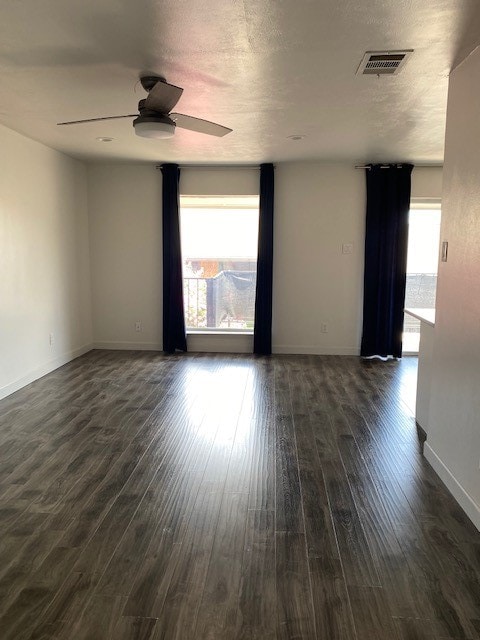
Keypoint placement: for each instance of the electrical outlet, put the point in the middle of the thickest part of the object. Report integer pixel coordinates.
(347, 248)
(138, 326)
(51, 339)
(324, 327)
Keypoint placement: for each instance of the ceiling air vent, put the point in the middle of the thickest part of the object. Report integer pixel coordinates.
(385, 63)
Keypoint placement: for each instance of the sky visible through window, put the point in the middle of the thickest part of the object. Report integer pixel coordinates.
(423, 240)
(219, 233)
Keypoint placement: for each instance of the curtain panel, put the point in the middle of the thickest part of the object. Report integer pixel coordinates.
(262, 338)
(386, 239)
(174, 334)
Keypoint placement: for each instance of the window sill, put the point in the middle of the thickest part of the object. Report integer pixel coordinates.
(194, 332)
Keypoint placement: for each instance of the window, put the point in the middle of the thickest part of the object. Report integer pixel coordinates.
(422, 266)
(219, 238)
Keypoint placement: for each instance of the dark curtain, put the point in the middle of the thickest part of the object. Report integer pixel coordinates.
(262, 339)
(386, 238)
(174, 335)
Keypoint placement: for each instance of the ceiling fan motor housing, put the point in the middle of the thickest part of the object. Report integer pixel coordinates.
(148, 82)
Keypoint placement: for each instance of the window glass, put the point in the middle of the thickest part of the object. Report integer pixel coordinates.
(219, 237)
(422, 268)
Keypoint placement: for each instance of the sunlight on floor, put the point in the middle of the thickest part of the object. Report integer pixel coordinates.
(408, 386)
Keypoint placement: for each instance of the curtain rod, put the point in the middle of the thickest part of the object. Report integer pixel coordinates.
(398, 165)
(214, 166)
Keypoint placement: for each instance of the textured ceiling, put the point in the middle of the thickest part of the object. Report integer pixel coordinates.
(266, 68)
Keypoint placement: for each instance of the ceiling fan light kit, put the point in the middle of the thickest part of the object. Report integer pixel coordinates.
(154, 128)
(155, 118)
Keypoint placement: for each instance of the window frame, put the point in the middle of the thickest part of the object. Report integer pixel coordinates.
(212, 201)
(423, 204)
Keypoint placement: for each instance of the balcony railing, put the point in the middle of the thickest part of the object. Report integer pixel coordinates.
(226, 301)
(195, 302)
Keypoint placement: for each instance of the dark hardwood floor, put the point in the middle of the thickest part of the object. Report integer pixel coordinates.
(227, 497)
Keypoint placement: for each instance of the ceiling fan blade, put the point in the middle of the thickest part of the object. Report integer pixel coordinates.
(133, 115)
(199, 125)
(162, 97)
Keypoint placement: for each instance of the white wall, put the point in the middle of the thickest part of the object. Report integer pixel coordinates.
(453, 445)
(427, 183)
(125, 203)
(211, 181)
(44, 261)
(318, 207)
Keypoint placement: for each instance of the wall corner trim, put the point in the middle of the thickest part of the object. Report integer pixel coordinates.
(466, 502)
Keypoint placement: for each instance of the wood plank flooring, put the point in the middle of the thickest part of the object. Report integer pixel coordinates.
(152, 497)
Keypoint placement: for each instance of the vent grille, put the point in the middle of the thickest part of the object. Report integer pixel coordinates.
(383, 62)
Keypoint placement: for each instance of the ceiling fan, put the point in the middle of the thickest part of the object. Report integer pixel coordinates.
(155, 118)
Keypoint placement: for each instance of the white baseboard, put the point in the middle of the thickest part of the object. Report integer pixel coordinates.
(42, 370)
(468, 504)
(195, 342)
(315, 350)
(129, 346)
(230, 343)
